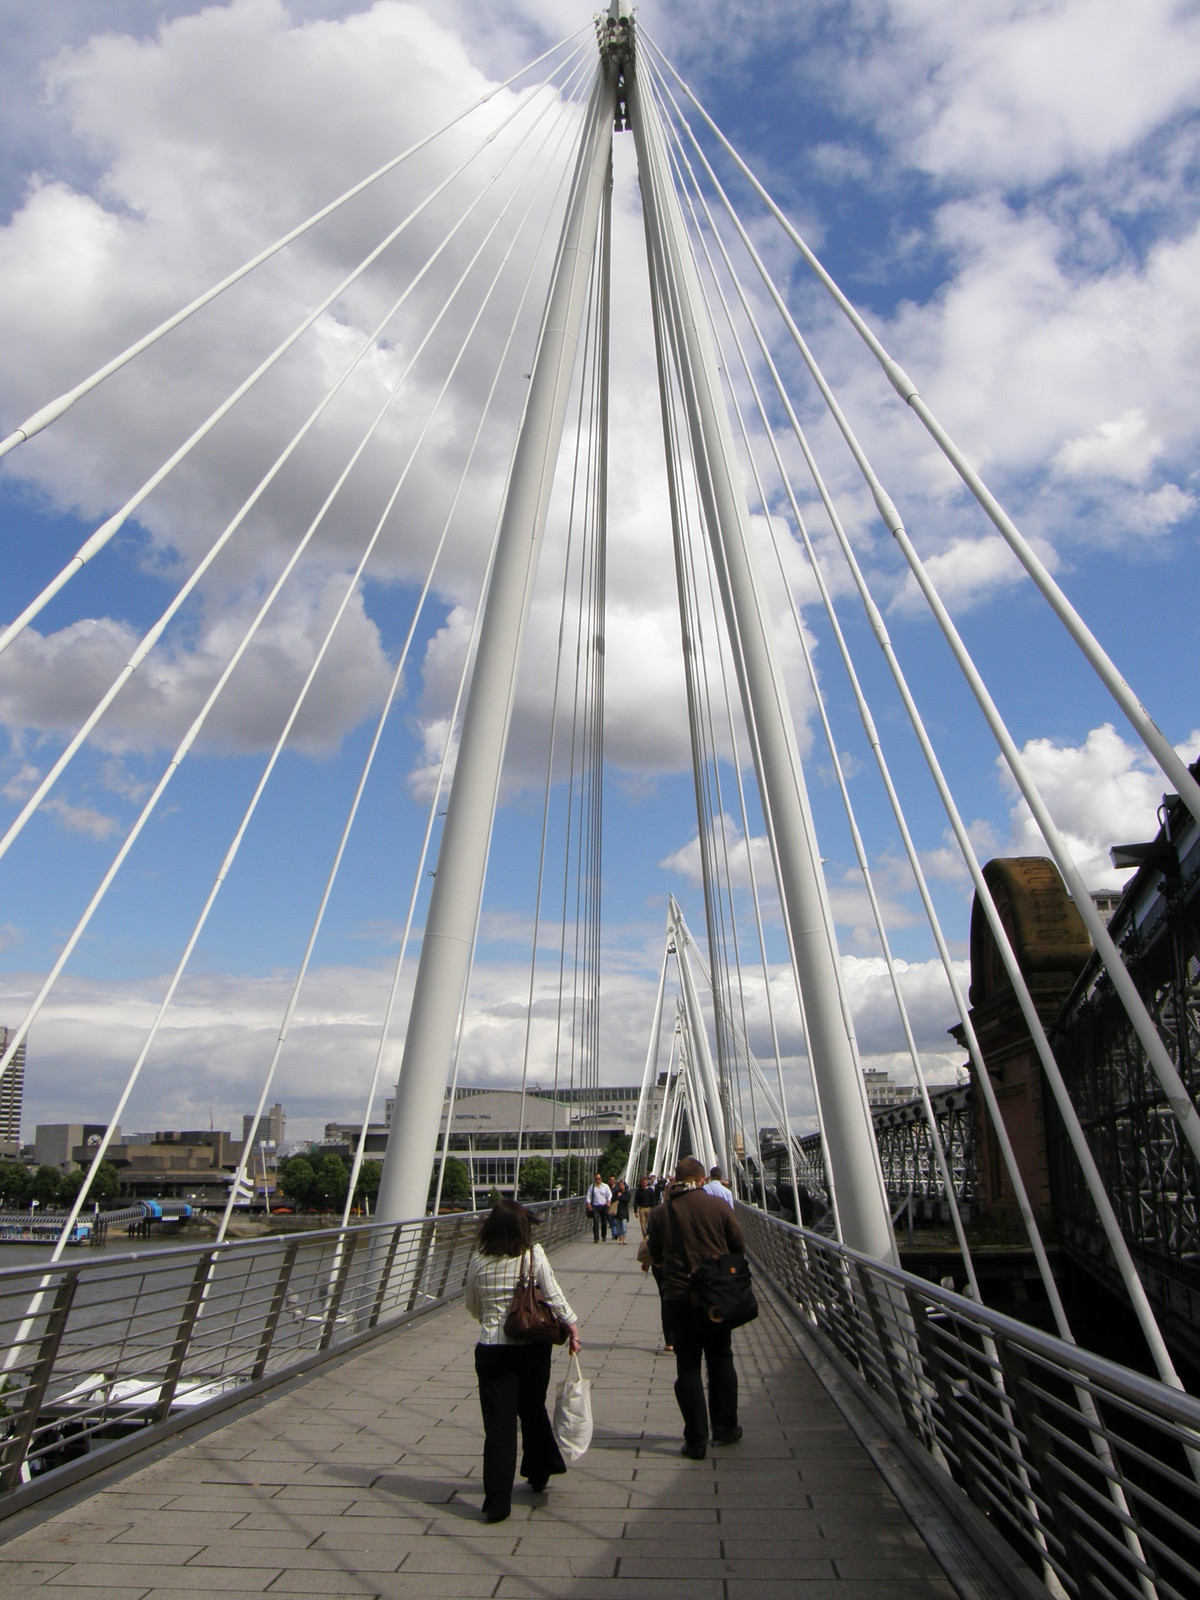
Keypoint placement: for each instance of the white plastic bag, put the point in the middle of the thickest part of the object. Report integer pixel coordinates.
(573, 1413)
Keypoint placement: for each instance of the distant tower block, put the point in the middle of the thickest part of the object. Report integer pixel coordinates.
(12, 1093)
(270, 1127)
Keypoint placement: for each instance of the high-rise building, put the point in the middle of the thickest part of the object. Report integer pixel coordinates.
(270, 1127)
(12, 1092)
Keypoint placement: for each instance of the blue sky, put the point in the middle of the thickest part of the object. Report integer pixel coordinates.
(1008, 192)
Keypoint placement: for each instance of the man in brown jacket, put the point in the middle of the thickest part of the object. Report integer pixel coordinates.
(689, 1227)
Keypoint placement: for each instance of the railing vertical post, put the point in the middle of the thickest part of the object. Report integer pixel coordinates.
(183, 1335)
(1061, 1490)
(912, 1418)
(426, 1251)
(459, 1233)
(385, 1276)
(350, 1245)
(275, 1311)
(12, 1453)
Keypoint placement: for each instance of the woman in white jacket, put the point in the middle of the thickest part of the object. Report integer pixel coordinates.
(513, 1377)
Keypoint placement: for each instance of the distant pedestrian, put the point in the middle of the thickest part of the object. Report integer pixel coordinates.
(599, 1198)
(689, 1227)
(645, 1198)
(619, 1211)
(716, 1185)
(513, 1378)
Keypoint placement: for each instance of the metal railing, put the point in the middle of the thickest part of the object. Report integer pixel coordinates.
(1087, 1469)
(112, 1346)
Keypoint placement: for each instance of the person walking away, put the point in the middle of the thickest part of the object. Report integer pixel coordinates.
(644, 1201)
(716, 1185)
(599, 1197)
(513, 1377)
(689, 1227)
(619, 1211)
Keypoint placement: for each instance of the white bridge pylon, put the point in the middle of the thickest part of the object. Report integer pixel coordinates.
(456, 898)
(715, 1109)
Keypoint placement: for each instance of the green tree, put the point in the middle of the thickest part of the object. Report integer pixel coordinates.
(572, 1174)
(456, 1184)
(106, 1185)
(14, 1183)
(613, 1158)
(331, 1180)
(367, 1187)
(296, 1179)
(46, 1186)
(535, 1179)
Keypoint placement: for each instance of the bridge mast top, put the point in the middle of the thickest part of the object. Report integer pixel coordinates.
(615, 38)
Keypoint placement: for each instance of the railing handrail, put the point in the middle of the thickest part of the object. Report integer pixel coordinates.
(1137, 1386)
(103, 1354)
(192, 1248)
(1089, 1470)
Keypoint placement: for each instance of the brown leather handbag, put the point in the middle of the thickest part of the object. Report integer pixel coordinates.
(530, 1317)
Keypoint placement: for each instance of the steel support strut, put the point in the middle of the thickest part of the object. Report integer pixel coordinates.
(458, 885)
(855, 1171)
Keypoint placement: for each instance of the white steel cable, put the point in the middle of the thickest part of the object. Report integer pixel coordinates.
(319, 918)
(152, 636)
(679, 517)
(197, 725)
(112, 525)
(753, 883)
(54, 409)
(1075, 1132)
(639, 1139)
(960, 1001)
(1083, 1398)
(1099, 1443)
(447, 748)
(819, 701)
(1124, 1260)
(665, 326)
(1159, 1058)
(1148, 731)
(549, 780)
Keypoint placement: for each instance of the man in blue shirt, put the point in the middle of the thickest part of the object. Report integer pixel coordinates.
(716, 1185)
(598, 1197)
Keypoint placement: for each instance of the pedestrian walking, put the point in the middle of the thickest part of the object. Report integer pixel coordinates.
(513, 1377)
(645, 1198)
(689, 1227)
(716, 1185)
(599, 1198)
(619, 1211)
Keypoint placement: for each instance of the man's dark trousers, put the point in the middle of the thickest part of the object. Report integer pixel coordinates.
(697, 1340)
(513, 1379)
(599, 1223)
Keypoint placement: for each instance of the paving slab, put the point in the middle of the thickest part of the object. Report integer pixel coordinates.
(365, 1480)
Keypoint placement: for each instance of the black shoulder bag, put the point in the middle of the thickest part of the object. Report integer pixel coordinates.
(722, 1285)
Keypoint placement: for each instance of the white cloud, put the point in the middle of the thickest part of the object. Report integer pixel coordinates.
(1100, 793)
(50, 683)
(965, 572)
(1120, 448)
(80, 818)
(1008, 92)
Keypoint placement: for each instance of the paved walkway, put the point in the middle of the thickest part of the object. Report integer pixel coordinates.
(366, 1481)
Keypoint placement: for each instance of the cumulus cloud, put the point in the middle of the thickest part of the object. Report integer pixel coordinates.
(52, 682)
(1014, 93)
(1100, 793)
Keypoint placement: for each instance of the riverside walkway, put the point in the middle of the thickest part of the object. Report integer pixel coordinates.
(365, 1480)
